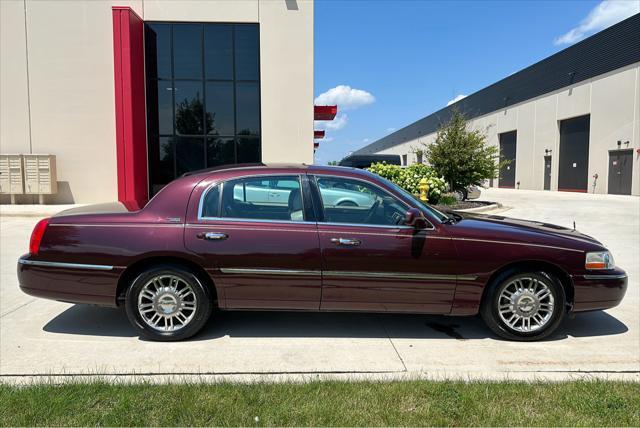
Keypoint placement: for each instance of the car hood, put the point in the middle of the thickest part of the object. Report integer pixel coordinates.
(522, 230)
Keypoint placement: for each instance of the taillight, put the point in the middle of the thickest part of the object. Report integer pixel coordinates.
(36, 236)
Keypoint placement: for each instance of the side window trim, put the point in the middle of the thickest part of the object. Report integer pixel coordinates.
(321, 219)
(300, 178)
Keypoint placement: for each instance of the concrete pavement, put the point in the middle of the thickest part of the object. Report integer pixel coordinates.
(40, 338)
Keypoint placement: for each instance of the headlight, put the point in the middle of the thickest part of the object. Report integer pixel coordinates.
(599, 260)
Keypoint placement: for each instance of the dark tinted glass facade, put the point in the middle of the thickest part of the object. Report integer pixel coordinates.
(203, 97)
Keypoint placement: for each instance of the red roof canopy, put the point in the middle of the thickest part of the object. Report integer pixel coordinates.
(324, 112)
(318, 134)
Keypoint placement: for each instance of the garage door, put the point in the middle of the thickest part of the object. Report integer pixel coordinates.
(573, 172)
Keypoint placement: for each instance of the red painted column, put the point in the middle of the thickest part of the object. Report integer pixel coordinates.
(131, 134)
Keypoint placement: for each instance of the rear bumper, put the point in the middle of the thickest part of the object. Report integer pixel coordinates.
(69, 282)
(599, 291)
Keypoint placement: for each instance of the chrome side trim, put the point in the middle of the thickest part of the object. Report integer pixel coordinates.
(252, 220)
(526, 244)
(350, 274)
(64, 265)
(119, 225)
(247, 271)
(618, 276)
(398, 275)
(380, 226)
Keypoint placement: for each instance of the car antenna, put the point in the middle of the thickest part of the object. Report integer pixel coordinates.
(574, 225)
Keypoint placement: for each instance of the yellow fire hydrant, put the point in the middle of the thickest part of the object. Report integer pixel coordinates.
(424, 188)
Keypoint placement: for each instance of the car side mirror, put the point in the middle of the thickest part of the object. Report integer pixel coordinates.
(413, 217)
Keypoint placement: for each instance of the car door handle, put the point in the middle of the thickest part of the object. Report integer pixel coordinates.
(213, 236)
(347, 242)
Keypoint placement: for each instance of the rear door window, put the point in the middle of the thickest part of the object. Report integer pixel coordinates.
(263, 198)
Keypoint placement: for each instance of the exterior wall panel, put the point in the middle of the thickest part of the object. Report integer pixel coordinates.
(201, 10)
(612, 119)
(612, 100)
(71, 80)
(72, 101)
(286, 67)
(14, 104)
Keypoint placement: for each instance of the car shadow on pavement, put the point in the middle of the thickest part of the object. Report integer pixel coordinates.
(97, 321)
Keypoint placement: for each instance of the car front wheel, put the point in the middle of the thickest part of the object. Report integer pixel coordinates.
(168, 303)
(524, 306)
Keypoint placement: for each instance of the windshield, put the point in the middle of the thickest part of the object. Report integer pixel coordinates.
(437, 214)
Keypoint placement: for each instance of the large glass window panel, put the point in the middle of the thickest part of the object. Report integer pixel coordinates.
(161, 114)
(203, 97)
(248, 149)
(189, 154)
(247, 53)
(187, 51)
(247, 108)
(220, 108)
(189, 108)
(220, 151)
(161, 162)
(158, 51)
(218, 51)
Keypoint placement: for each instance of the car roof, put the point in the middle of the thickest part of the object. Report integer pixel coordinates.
(262, 168)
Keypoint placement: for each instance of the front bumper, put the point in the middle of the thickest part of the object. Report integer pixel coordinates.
(69, 282)
(599, 290)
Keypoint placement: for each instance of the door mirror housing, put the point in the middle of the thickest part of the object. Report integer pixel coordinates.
(413, 217)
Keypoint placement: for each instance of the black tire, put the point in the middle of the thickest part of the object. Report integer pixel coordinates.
(491, 316)
(198, 318)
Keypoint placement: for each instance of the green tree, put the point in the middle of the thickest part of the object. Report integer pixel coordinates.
(462, 156)
(334, 163)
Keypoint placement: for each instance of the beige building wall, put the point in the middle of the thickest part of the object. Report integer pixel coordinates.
(612, 100)
(57, 83)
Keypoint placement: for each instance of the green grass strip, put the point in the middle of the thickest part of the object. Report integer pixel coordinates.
(330, 403)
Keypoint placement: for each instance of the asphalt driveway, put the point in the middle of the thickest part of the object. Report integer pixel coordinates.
(43, 338)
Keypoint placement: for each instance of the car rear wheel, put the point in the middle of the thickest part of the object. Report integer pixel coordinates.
(524, 306)
(168, 303)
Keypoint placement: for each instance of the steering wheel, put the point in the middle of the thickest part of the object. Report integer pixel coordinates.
(372, 211)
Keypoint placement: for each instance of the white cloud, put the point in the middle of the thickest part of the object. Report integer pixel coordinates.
(605, 14)
(339, 122)
(366, 140)
(456, 99)
(345, 97)
(391, 129)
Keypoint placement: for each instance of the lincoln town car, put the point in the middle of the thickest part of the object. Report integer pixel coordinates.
(220, 240)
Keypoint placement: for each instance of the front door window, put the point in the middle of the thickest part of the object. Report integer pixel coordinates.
(357, 202)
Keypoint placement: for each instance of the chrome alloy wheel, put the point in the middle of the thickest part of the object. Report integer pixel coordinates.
(526, 304)
(167, 303)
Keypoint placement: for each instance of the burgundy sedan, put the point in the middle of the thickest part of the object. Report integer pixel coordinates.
(274, 237)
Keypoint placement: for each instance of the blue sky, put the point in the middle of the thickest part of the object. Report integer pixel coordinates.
(393, 62)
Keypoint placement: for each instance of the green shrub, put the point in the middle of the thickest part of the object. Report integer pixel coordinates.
(409, 178)
(448, 199)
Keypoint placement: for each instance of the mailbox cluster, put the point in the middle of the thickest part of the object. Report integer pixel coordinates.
(28, 175)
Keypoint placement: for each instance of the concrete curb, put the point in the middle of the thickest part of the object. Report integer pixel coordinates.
(490, 207)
